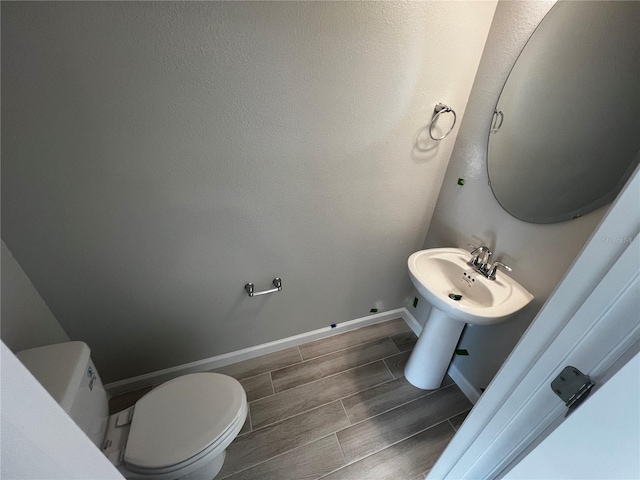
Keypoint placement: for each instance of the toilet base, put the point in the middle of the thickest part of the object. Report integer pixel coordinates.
(207, 471)
(210, 470)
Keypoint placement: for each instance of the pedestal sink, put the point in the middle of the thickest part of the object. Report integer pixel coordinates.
(458, 294)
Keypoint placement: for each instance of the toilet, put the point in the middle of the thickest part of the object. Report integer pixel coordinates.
(179, 430)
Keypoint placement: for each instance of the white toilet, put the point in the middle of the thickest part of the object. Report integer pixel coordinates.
(179, 430)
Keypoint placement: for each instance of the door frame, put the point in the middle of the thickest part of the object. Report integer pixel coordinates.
(589, 321)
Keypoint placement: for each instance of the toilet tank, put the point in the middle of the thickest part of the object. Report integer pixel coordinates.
(66, 371)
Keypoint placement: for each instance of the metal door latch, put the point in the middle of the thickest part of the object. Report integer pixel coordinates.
(572, 386)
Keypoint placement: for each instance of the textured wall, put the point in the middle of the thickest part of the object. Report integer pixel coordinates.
(26, 322)
(157, 156)
(539, 254)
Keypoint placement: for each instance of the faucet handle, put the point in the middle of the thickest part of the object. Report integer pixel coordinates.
(475, 255)
(494, 269)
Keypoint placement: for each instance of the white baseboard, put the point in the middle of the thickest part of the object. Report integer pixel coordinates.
(414, 325)
(160, 376)
(471, 392)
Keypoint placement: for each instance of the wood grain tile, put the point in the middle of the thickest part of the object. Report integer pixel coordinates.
(296, 400)
(257, 387)
(402, 461)
(258, 365)
(396, 363)
(447, 381)
(456, 422)
(352, 338)
(264, 443)
(320, 367)
(376, 433)
(117, 403)
(305, 463)
(405, 340)
(367, 403)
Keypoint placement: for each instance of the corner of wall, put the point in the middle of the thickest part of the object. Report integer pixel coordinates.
(26, 320)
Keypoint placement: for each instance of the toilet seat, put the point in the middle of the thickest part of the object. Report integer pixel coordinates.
(183, 421)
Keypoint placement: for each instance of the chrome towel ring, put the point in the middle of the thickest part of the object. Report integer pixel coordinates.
(439, 109)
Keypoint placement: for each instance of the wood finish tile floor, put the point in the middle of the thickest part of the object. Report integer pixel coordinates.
(338, 408)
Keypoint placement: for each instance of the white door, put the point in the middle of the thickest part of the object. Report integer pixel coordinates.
(601, 439)
(590, 322)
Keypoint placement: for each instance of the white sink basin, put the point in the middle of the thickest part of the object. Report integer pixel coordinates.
(458, 294)
(438, 273)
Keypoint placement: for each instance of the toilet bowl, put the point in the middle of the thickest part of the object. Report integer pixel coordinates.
(179, 430)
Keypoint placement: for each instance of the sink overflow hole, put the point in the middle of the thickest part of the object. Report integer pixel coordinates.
(455, 296)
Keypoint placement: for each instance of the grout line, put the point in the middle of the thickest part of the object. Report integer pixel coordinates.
(333, 374)
(428, 392)
(255, 376)
(382, 449)
(292, 416)
(345, 412)
(399, 441)
(341, 451)
(328, 402)
(394, 344)
(340, 398)
(356, 330)
(279, 455)
(396, 354)
(240, 375)
(368, 388)
(388, 369)
(449, 419)
(375, 339)
(360, 345)
(245, 378)
(303, 360)
(454, 428)
(273, 388)
(346, 463)
(300, 353)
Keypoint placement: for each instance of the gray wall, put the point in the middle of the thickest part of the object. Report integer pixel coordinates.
(539, 254)
(157, 156)
(26, 321)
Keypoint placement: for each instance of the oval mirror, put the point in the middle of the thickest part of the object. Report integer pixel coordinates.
(565, 136)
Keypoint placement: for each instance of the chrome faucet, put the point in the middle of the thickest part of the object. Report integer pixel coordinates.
(494, 268)
(480, 257)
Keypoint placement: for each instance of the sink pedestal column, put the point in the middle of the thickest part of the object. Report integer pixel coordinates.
(431, 356)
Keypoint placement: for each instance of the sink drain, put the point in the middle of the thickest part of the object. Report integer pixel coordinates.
(455, 296)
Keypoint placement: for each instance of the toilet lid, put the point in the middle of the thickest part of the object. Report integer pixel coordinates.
(181, 418)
